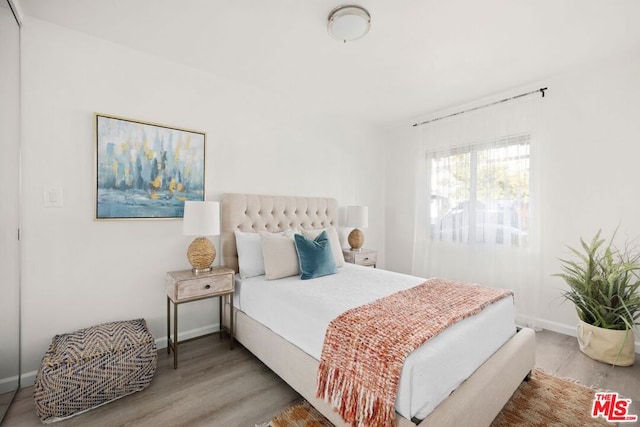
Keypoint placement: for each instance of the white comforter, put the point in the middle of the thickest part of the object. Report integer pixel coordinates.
(300, 311)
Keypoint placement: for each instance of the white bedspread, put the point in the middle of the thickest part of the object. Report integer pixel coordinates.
(300, 311)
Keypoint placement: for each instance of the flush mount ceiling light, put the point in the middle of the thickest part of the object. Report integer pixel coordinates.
(348, 23)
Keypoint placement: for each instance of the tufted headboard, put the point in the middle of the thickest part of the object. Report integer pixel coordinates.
(254, 212)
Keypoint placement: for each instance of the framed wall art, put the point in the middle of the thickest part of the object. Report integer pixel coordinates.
(146, 170)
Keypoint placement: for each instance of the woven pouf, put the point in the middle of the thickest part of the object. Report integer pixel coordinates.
(94, 366)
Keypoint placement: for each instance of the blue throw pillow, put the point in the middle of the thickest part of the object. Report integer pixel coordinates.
(315, 256)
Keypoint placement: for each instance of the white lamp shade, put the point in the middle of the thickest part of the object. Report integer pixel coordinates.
(348, 23)
(201, 218)
(357, 216)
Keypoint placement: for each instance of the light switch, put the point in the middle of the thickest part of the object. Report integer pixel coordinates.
(53, 197)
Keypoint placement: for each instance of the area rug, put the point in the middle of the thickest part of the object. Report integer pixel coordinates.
(544, 401)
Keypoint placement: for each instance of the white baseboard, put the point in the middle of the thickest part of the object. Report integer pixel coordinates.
(534, 323)
(29, 378)
(8, 384)
(185, 335)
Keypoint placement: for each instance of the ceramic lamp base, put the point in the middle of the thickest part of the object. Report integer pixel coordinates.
(356, 239)
(201, 254)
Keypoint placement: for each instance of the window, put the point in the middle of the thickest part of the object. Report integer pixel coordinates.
(480, 193)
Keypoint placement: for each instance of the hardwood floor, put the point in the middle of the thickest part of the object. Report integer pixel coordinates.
(5, 401)
(214, 386)
(560, 355)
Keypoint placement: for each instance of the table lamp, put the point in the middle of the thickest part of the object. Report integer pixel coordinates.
(201, 219)
(357, 216)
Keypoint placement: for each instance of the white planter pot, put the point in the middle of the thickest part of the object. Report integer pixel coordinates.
(606, 345)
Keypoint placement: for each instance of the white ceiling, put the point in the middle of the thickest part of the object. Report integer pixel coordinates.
(420, 55)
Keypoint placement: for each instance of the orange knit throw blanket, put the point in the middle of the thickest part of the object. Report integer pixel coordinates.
(364, 348)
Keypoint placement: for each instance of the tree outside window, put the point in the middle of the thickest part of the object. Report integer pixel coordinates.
(480, 193)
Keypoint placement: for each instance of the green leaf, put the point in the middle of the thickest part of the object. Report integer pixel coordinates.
(603, 283)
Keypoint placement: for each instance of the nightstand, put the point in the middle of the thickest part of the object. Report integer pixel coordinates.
(366, 257)
(185, 286)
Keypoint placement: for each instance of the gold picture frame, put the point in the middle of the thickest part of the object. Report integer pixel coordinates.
(146, 170)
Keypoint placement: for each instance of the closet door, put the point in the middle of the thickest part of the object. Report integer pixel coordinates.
(9, 205)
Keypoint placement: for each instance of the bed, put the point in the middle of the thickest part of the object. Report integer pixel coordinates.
(475, 401)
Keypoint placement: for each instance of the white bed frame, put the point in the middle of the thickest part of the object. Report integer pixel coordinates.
(475, 402)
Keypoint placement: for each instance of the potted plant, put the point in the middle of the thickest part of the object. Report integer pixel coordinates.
(603, 285)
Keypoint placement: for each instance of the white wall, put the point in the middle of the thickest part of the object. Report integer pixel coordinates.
(78, 272)
(590, 148)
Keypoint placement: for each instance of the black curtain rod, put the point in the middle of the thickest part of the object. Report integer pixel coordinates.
(541, 90)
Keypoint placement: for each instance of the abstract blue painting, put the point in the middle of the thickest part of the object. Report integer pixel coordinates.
(145, 170)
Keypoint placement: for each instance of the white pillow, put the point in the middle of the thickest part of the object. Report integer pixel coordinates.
(279, 253)
(250, 259)
(334, 241)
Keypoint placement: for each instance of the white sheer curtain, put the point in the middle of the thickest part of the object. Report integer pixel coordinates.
(477, 217)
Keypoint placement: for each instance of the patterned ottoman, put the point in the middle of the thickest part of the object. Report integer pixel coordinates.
(94, 366)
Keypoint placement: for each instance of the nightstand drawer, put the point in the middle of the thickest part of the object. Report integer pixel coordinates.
(198, 287)
(367, 258)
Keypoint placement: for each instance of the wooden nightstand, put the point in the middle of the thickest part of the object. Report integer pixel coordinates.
(185, 286)
(366, 257)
